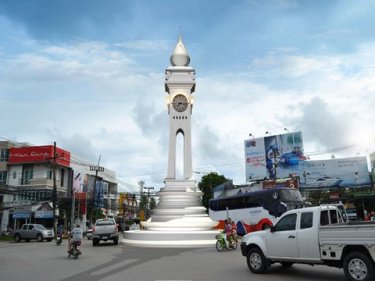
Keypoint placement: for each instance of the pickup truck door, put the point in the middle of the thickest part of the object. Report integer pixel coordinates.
(31, 232)
(281, 240)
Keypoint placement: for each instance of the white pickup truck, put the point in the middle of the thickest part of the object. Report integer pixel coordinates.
(315, 235)
(105, 229)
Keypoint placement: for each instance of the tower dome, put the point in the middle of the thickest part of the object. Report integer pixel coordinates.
(180, 56)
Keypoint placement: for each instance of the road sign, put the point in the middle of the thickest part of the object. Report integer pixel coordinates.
(97, 168)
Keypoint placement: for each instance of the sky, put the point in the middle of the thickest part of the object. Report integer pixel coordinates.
(89, 75)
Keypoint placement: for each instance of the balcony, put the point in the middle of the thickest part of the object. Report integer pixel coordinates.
(38, 182)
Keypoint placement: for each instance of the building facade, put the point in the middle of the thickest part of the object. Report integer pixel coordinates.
(31, 175)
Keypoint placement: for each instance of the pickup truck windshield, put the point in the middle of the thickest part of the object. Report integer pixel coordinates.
(109, 222)
(39, 226)
(290, 195)
(291, 198)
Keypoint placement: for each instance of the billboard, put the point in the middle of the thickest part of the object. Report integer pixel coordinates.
(345, 172)
(99, 194)
(33, 154)
(273, 157)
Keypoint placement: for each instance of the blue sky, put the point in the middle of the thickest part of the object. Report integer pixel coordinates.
(90, 76)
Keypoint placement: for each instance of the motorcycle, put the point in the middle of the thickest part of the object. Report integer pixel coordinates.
(75, 249)
(59, 239)
(223, 244)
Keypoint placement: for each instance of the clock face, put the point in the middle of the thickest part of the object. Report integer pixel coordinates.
(180, 103)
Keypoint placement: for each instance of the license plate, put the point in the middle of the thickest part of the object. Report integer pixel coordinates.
(105, 237)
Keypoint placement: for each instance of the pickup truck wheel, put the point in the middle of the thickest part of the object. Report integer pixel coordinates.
(95, 242)
(115, 241)
(358, 267)
(39, 238)
(17, 238)
(256, 261)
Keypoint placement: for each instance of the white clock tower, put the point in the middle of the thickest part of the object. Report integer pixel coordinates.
(179, 220)
(180, 85)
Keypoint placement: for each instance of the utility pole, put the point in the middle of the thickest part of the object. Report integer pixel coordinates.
(96, 168)
(54, 193)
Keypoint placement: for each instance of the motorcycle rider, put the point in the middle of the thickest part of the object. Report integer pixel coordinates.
(233, 230)
(75, 238)
(228, 232)
(60, 230)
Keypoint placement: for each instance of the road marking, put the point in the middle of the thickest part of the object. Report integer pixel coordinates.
(114, 266)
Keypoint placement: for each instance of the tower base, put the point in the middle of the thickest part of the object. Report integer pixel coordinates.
(179, 220)
(186, 232)
(170, 239)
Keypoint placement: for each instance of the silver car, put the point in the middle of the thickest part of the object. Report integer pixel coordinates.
(33, 231)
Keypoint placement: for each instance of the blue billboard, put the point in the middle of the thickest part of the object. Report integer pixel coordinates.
(273, 157)
(344, 172)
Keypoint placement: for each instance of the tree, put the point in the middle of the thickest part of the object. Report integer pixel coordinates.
(152, 203)
(207, 184)
(143, 203)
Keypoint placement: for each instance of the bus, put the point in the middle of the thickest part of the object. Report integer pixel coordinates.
(254, 210)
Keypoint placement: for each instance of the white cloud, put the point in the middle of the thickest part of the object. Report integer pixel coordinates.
(93, 100)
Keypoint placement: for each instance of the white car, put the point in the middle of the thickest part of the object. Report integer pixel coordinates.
(134, 226)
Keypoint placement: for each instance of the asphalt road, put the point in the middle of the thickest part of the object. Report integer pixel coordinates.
(45, 261)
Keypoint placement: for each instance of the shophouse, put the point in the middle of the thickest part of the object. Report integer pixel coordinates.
(34, 175)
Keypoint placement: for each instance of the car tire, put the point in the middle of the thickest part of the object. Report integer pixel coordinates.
(39, 238)
(95, 242)
(115, 241)
(49, 239)
(358, 267)
(17, 238)
(256, 261)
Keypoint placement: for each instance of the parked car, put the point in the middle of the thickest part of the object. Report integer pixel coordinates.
(33, 231)
(134, 226)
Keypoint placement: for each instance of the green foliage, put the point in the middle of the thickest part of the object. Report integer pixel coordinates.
(7, 238)
(152, 203)
(146, 204)
(207, 184)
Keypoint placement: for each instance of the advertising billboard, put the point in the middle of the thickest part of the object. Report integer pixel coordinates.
(33, 154)
(273, 157)
(345, 172)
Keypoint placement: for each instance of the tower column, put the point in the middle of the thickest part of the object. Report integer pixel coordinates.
(188, 166)
(172, 155)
